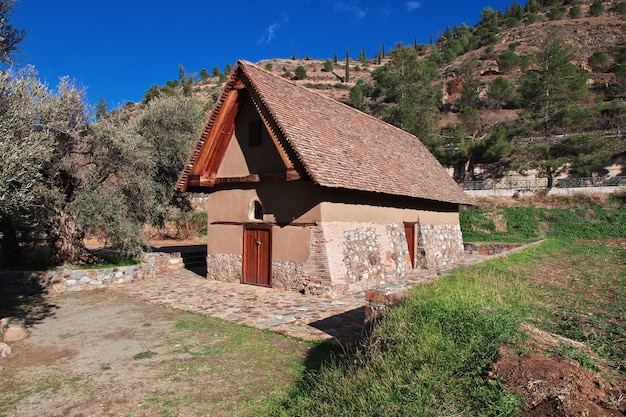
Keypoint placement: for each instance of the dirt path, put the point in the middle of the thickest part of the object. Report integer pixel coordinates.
(97, 353)
(90, 342)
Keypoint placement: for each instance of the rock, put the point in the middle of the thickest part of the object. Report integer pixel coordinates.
(4, 350)
(13, 329)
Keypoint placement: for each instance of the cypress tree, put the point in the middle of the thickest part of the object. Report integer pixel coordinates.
(347, 65)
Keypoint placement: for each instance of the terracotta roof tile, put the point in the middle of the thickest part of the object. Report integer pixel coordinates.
(341, 147)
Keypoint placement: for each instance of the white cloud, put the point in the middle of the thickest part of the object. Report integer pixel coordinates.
(350, 8)
(412, 5)
(270, 34)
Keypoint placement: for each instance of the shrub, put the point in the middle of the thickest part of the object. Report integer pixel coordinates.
(300, 72)
(599, 61)
(574, 12)
(620, 8)
(269, 66)
(596, 8)
(489, 52)
(507, 60)
(555, 14)
(531, 18)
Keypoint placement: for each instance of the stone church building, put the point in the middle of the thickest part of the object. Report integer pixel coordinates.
(308, 194)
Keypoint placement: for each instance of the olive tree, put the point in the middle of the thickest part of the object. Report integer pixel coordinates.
(10, 36)
(63, 176)
(24, 150)
(134, 165)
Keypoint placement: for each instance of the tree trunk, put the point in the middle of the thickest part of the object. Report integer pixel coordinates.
(469, 168)
(550, 176)
(66, 242)
(459, 171)
(10, 251)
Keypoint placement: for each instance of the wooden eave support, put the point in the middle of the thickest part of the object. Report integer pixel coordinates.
(200, 181)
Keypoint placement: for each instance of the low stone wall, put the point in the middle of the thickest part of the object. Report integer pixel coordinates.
(488, 248)
(35, 282)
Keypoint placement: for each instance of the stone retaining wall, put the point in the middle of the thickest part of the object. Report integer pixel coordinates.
(34, 282)
(488, 248)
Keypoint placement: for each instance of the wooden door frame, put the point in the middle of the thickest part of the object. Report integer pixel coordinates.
(412, 247)
(257, 226)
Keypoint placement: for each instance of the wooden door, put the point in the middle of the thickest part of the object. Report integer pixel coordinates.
(409, 231)
(257, 255)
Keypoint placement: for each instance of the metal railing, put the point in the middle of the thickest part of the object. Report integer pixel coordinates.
(542, 183)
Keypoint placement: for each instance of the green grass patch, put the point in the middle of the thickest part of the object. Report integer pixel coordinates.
(146, 354)
(525, 224)
(112, 262)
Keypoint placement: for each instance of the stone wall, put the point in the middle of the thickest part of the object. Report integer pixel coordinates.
(439, 245)
(286, 275)
(224, 267)
(347, 257)
(34, 282)
(489, 248)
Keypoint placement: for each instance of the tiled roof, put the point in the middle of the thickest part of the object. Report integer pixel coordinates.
(341, 147)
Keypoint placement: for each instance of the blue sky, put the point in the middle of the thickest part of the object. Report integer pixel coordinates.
(118, 49)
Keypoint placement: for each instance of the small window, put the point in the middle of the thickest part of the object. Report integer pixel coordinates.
(254, 133)
(256, 210)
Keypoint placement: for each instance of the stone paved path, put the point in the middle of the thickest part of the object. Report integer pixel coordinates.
(285, 312)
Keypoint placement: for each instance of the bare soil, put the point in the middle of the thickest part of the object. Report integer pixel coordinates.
(101, 354)
(553, 386)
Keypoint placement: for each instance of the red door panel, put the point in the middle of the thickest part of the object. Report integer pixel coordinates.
(409, 231)
(257, 259)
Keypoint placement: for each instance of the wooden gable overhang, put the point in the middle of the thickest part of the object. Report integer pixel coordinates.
(201, 171)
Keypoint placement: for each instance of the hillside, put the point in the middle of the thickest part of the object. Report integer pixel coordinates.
(474, 57)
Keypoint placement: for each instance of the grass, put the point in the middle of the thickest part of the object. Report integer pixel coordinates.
(429, 355)
(226, 369)
(146, 354)
(426, 357)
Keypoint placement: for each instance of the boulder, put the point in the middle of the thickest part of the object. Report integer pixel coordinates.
(12, 329)
(5, 350)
